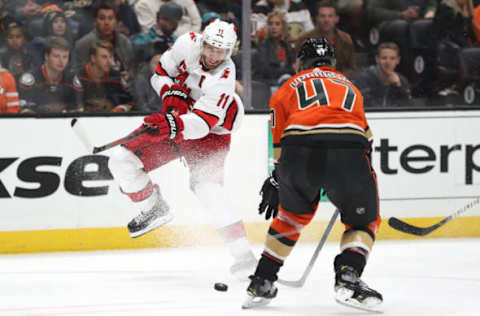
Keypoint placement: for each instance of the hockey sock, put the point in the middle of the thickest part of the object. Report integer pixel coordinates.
(268, 268)
(352, 259)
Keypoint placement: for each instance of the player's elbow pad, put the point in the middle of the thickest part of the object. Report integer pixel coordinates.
(158, 82)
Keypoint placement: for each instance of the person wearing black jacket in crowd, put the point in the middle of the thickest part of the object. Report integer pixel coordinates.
(380, 84)
(16, 56)
(275, 57)
(50, 88)
(54, 24)
(104, 89)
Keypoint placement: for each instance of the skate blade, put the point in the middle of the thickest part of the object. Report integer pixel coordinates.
(154, 225)
(369, 305)
(253, 302)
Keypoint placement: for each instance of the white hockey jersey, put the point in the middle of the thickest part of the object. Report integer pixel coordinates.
(213, 91)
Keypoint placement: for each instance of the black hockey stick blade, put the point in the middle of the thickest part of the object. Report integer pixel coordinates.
(402, 226)
(405, 227)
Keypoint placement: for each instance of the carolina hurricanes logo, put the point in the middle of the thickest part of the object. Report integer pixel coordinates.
(182, 73)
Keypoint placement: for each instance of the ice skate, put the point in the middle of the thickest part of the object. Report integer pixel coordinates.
(259, 293)
(147, 221)
(353, 292)
(241, 269)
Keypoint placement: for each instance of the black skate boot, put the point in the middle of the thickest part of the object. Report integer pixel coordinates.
(147, 221)
(260, 292)
(353, 292)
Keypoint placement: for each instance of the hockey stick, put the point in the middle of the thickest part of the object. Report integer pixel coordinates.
(300, 282)
(422, 231)
(82, 135)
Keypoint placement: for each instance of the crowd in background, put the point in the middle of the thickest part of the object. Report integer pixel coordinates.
(98, 55)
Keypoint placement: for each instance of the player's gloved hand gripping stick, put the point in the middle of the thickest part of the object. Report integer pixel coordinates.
(158, 127)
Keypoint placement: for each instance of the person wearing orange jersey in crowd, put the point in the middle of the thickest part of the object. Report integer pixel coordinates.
(9, 101)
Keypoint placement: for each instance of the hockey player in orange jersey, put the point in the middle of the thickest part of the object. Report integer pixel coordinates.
(321, 140)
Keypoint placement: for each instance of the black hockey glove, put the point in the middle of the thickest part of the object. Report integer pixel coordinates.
(269, 192)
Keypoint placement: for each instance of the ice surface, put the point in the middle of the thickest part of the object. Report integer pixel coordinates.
(417, 277)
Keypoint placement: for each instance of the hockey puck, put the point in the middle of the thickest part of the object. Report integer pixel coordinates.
(222, 287)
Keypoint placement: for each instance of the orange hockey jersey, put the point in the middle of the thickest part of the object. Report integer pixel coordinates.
(321, 105)
(9, 101)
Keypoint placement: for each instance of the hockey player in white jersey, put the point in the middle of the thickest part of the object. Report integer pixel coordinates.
(196, 80)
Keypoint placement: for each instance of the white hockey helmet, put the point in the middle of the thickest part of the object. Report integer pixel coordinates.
(220, 34)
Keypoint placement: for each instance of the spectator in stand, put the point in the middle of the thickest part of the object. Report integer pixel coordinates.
(159, 37)
(453, 21)
(229, 10)
(476, 25)
(29, 13)
(353, 20)
(452, 33)
(190, 22)
(380, 84)
(104, 89)
(23, 10)
(9, 101)
(275, 57)
(392, 19)
(326, 21)
(105, 21)
(79, 13)
(128, 23)
(54, 24)
(298, 16)
(381, 12)
(16, 56)
(3, 15)
(50, 88)
(146, 99)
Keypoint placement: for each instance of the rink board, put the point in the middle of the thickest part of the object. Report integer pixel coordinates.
(54, 196)
(200, 235)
